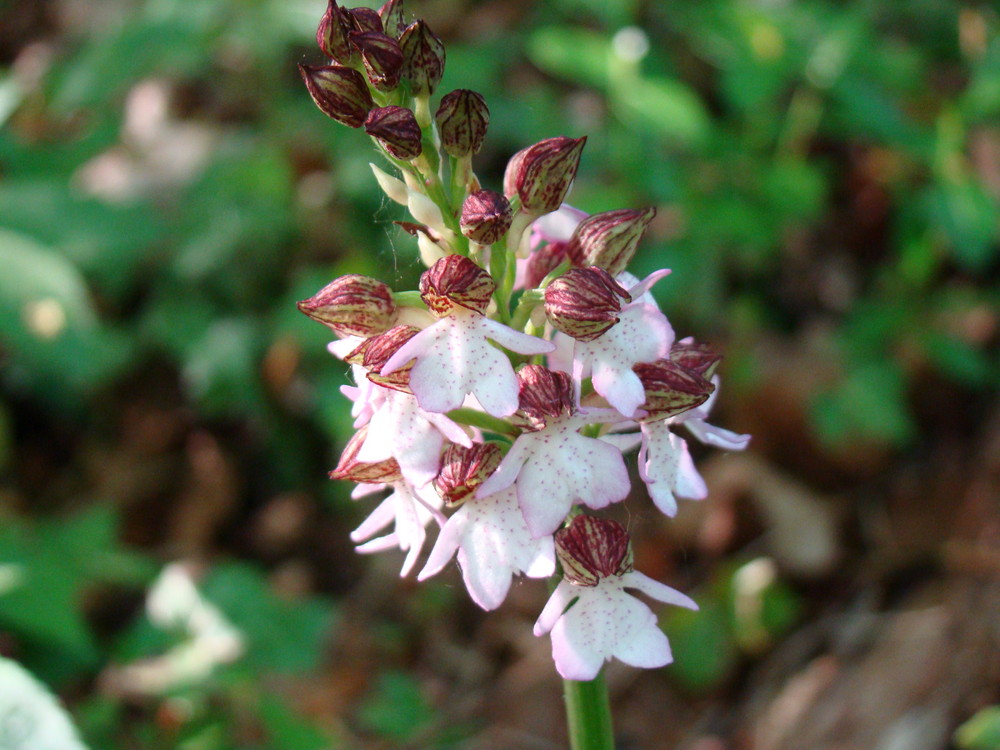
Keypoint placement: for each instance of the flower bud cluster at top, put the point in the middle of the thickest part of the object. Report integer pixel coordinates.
(500, 399)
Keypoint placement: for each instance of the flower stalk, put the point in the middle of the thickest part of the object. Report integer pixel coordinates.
(588, 714)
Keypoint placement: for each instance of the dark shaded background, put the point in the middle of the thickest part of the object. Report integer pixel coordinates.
(827, 178)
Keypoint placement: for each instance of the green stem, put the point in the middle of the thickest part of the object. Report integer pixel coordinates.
(473, 418)
(588, 714)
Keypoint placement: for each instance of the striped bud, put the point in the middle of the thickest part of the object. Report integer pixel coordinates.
(671, 389)
(697, 357)
(456, 280)
(332, 34)
(543, 394)
(396, 130)
(541, 175)
(392, 16)
(423, 58)
(462, 119)
(584, 302)
(373, 353)
(352, 305)
(609, 239)
(341, 93)
(379, 472)
(464, 469)
(542, 262)
(381, 56)
(365, 19)
(590, 549)
(486, 216)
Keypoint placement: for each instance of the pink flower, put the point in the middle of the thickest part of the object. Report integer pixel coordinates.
(408, 510)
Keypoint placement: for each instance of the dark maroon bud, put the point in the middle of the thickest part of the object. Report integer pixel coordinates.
(609, 239)
(671, 389)
(590, 549)
(423, 58)
(396, 130)
(543, 394)
(464, 469)
(541, 175)
(332, 34)
(373, 353)
(366, 19)
(584, 302)
(697, 357)
(350, 468)
(462, 119)
(393, 16)
(542, 262)
(352, 305)
(381, 56)
(456, 280)
(341, 93)
(486, 216)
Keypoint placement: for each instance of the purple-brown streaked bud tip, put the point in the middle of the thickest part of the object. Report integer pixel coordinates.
(542, 174)
(393, 18)
(332, 34)
(609, 239)
(671, 388)
(341, 93)
(462, 119)
(381, 56)
(542, 262)
(697, 357)
(543, 394)
(590, 549)
(379, 472)
(486, 216)
(396, 130)
(456, 280)
(584, 302)
(352, 305)
(423, 58)
(373, 353)
(464, 469)
(365, 19)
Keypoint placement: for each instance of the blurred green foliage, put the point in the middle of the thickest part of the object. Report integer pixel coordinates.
(168, 190)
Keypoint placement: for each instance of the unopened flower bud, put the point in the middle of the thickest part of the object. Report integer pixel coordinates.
(332, 35)
(697, 357)
(423, 58)
(381, 56)
(542, 262)
(350, 468)
(486, 216)
(365, 19)
(462, 119)
(373, 353)
(590, 549)
(392, 16)
(396, 130)
(352, 305)
(456, 280)
(464, 469)
(671, 389)
(543, 394)
(542, 174)
(341, 93)
(609, 239)
(584, 302)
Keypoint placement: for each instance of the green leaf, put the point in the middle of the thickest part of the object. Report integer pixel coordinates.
(397, 708)
(967, 214)
(575, 54)
(702, 644)
(981, 732)
(665, 106)
(290, 731)
(869, 404)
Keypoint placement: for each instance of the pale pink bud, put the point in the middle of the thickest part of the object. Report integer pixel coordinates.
(379, 472)
(543, 394)
(542, 174)
(423, 58)
(456, 280)
(671, 389)
(462, 119)
(464, 469)
(486, 216)
(609, 239)
(584, 302)
(341, 93)
(381, 56)
(352, 305)
(590, 549)
(396, 130)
